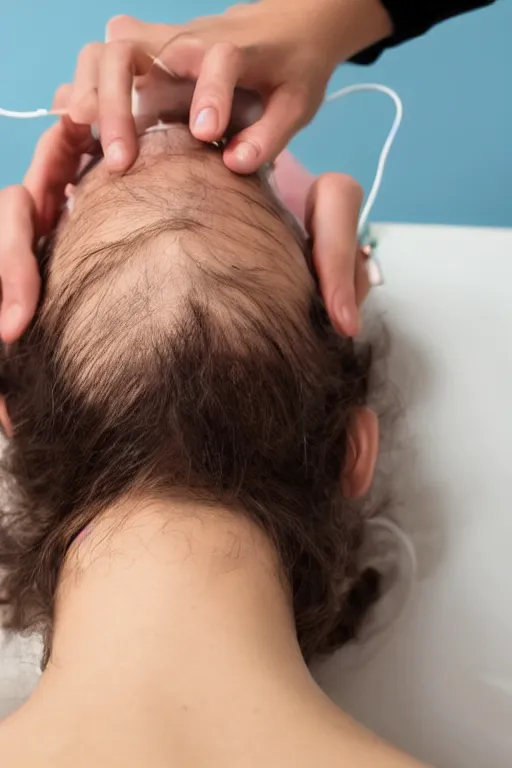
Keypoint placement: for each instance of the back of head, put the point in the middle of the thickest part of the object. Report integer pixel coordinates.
(181, 348)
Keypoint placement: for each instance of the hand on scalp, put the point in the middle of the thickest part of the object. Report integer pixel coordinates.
(332, 214)
(329, 207)
(268, 47)
(18, 267)
(29, 212)
(283, 50)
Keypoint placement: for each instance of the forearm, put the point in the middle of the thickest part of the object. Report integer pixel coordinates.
(349, 27)
(354, 25)
(341, 27)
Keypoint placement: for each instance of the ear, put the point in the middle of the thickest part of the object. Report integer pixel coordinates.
(362, 451)
(4, 418)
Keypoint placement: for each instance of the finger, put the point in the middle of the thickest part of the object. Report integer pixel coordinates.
(62, 96)
(181, 56)
(18, 267)
(284, 114)
(152, 36)
(332, 213)
(210, 111)
(83, 101)
(84, 162)
(54, 165)
(120, 63)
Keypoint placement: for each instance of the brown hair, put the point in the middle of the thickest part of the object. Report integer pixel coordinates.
(233, 395)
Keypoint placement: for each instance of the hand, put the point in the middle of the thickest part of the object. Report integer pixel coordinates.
(332, 213)
(329, 206)
(218, 52)
(269, 47)
(18, 267)
(284, 50)
(30, 212)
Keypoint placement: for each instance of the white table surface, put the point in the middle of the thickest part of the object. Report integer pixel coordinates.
(438, 681)
(440, 685)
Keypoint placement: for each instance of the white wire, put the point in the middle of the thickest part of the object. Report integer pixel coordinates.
(391, 527)
(381, 167)
(24, 115)
(347, 91)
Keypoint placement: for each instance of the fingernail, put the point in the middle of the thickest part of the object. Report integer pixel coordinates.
(116, 155)
(207, 120)
(69, 194)
(12, 318)
(346, 317)
(374, 272)
(246, 153)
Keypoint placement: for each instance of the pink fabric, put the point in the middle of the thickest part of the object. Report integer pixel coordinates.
(293, 182)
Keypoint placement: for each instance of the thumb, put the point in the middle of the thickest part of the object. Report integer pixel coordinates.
(332, 213)
(54, 165)
(19, 274)
(285, 113)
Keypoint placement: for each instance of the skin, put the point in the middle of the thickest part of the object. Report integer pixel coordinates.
(172, 618)
(298, 188)
(175, 646)
(271, 47)
(174, 639)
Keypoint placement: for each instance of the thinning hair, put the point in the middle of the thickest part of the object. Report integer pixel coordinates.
(184, 356)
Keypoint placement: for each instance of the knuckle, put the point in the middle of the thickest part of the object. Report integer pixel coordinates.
(120, 49)
(16, 198)
(14, 194)
(190, 43)
(62, 95)
(89, 51)
(185, 52)
(342, 184)
(211, 94)
(227, 51)
(116, 26)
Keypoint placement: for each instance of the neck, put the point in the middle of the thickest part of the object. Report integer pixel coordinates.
(174, 643)
(180, 613)
(175, 589)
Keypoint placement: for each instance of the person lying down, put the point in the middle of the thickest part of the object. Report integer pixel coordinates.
(187, 440)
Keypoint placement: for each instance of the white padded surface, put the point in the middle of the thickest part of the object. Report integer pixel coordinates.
(439, 682)
(19, 671)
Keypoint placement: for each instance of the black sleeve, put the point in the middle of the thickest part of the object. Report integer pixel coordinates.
(412, 18)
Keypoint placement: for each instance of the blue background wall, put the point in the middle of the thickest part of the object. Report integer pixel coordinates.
(453, 159)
